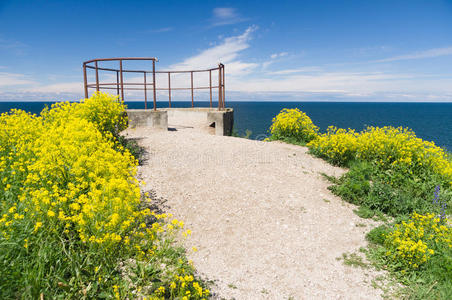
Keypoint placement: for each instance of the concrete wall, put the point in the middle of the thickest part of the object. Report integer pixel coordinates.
(208, 119)
(146, 117)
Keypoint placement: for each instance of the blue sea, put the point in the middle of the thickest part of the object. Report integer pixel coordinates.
(430, 121)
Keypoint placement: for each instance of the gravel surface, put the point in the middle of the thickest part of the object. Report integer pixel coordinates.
(263, 220)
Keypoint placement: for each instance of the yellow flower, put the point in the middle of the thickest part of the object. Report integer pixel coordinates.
(37, 226)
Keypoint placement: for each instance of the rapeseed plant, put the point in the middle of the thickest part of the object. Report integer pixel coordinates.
(70, 212)
(293, 125)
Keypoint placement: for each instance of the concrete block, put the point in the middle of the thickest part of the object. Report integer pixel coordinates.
(223, 119)
(157, 119)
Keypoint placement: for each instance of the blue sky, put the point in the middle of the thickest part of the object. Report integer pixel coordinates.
(287, 50)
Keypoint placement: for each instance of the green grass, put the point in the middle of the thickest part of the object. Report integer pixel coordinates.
(288, 140)
(247, 134)
(354, 260)
(391, 192)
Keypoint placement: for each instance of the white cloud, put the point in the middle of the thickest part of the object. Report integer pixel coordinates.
(293, 71)
(276, 55)
(58, 88)
(273, 58)
(225, 16)
(436, 52)
(14, 79)
(227, 52)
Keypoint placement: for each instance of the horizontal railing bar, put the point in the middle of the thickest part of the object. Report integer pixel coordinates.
(125, 83)
(158, 89)
(149, 72)
(118, 70)
(120, 58)
(189, 88)
(185, 71)
(114, 88)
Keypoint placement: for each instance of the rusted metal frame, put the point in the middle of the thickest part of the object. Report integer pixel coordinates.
(97, 76)
(210, 87)
(169, 88)
(145, 92)
(122, 79)
(119, 85)
(153, 83)
(192, 100)
(85, 80)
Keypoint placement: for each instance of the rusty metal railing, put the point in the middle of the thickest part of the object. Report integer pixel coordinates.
(120, 86)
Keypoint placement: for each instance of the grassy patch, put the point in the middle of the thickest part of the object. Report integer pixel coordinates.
(246, 135)
(354, 260)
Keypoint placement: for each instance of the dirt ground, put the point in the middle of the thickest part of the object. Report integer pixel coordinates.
(263, 221)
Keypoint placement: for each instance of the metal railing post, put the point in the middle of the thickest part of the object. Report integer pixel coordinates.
(223, 89)
(210, 87)
(153, 79)
(145, 92)
(169, 88)
(97, 76)
(219, 87)
(192, 102)
(117, 83)
(122, 79)
(85, 80)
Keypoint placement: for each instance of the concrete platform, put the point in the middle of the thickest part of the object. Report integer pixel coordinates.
(212, 120)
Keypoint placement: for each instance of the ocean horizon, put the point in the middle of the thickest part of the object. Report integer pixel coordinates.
(430, 121)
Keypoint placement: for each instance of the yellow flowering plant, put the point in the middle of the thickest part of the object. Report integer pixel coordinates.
(293, 125)
(337, 145)
(411, 244)
(73, 222)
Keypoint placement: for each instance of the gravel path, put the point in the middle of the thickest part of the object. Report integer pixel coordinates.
(264, 223)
